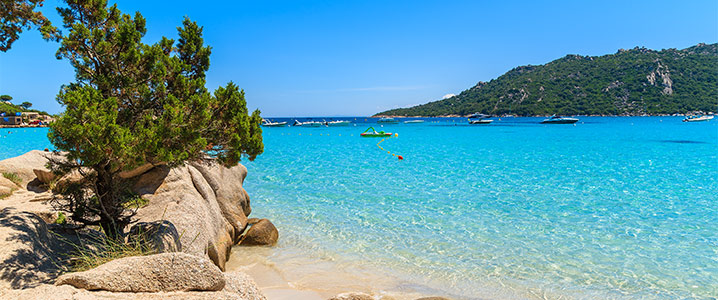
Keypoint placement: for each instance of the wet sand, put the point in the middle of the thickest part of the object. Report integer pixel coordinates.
(282, 275)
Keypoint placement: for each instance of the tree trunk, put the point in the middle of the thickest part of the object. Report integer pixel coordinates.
(112, 230)
(109, 203)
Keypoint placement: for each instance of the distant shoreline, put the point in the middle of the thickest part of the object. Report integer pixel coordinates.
(22, 126)
(536, 116)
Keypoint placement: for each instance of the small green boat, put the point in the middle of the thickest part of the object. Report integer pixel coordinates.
(374, 133)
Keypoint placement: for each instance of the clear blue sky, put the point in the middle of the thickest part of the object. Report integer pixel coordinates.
(354, 58)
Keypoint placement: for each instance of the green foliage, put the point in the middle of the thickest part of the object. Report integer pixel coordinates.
(136, 202)
(61, 219)
(135, 103)
(18, 15)
(9, 109)
(26, 105)
(12, 177)
(5, 97)
(618, 84)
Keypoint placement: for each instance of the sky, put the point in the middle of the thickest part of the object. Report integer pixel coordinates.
(357, 58)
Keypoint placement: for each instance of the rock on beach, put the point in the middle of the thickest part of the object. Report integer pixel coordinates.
(261, 233)
(166, 272)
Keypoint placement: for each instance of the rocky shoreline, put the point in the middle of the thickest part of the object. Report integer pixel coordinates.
(194, 214)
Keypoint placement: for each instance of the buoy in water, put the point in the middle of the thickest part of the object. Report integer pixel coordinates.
(400, 157)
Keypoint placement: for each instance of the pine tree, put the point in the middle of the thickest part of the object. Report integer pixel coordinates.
(134, 104)
(17, 15)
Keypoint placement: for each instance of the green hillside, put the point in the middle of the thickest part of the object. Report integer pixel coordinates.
(638, 81)
(10, 109)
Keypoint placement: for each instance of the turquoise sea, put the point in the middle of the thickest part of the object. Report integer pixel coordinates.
(611, 208)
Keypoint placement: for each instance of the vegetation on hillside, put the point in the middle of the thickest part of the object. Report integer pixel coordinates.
(638, 81)
(10, 109)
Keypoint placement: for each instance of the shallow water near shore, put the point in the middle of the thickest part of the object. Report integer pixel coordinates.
(621, 208)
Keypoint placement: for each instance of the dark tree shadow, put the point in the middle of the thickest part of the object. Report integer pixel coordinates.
(44, 251)
(33, 264)
(162, 235)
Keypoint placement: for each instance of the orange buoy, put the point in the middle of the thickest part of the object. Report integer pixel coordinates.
(400, 157)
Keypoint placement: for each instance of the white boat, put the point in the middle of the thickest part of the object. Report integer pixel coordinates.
(480, 121)
(559, 120)
(337, 123)
(413, 121)
(268, 123)
(308, 124)
(478, 118)
(697, 118)
(387, 121)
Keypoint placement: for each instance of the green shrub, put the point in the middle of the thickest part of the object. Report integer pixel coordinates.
(61, 219)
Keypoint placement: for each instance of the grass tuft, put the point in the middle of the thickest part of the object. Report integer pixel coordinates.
(98, 252)
(136, 202)
(12, 177)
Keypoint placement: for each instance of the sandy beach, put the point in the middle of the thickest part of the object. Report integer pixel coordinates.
(301, 276)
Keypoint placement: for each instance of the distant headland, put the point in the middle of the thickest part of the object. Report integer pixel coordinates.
(634, 82)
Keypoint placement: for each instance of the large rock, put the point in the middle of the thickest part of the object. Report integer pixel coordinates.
(6, 183)
(353, 296)
(360, 296)
(5, 191)
(44, 176)
(243, 285)
(205, 203)
(6, 187)
(261, 233)
(233, 200)
(24, 165)
(166, 272)
(239, 286)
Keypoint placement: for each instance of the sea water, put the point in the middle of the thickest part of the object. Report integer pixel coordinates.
(17, 141)
(620, 208)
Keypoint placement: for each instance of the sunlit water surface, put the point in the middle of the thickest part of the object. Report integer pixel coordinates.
(622, 208)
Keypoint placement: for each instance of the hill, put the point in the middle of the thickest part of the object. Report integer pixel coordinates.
(638, 81)
(11, 109)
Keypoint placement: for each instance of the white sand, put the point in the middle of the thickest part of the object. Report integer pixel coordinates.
(304, 277)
